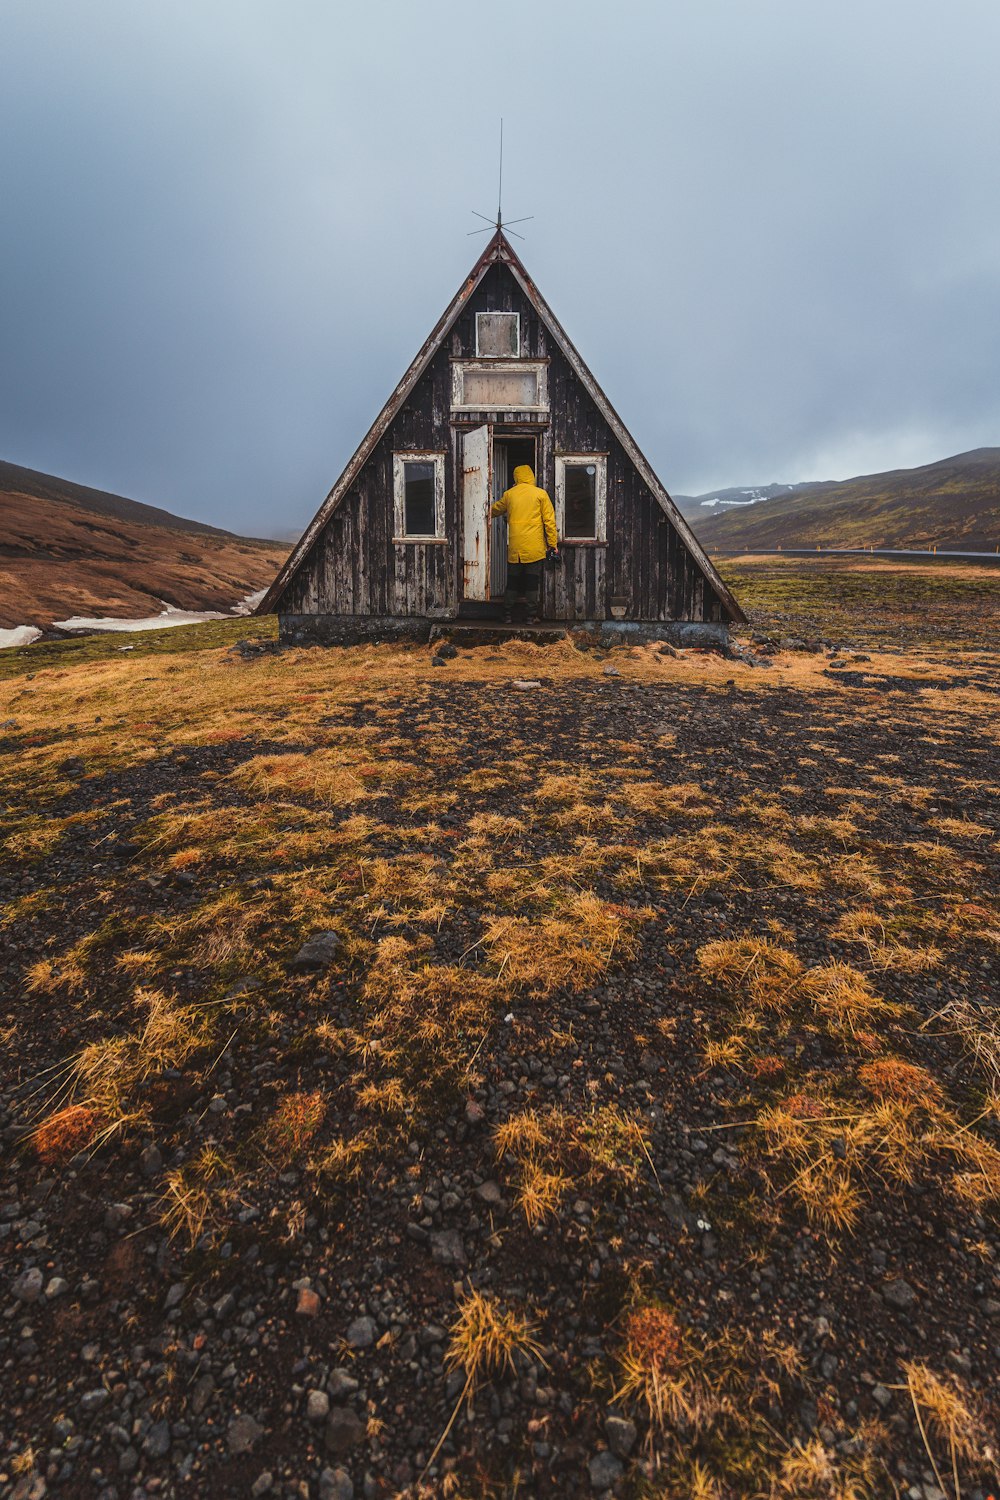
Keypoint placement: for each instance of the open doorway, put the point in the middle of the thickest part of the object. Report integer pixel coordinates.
(508, 453)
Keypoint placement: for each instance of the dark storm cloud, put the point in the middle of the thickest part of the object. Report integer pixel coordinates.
(770, 226)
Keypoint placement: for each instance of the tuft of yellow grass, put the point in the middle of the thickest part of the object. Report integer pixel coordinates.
(487, 1339)
(658, 1371)
(291, 1128)
(568, 950)
(321, 775)
(844, 998)
(768, 973)
(946, 1413)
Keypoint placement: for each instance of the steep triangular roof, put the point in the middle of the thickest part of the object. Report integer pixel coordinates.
(499, 250)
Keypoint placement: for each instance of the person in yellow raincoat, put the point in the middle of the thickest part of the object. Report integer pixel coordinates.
(531, 533)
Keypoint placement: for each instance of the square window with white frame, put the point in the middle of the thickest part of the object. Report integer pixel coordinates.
(498, 335)
(418, 496)
(581, 496)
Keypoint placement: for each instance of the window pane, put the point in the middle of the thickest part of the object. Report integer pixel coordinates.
(497, 335)
(581, 500)
(418, 499)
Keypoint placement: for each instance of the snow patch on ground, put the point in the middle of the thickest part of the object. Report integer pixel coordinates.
(19, 635)
(24, 635)
(152, 622)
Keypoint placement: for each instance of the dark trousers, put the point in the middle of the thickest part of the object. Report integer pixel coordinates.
(524, 581)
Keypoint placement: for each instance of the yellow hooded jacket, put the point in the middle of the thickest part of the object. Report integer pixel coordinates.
(531, 521)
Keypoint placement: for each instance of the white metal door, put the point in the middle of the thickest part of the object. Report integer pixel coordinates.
(475, 513)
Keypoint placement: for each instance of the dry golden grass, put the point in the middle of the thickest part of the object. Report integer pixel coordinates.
(948, 1420)
(844, 999)
(660, 1372)
(321, 775)
(66, 1132)
(553, 1149)
(487, 1339)
(196, 1196)
(534, 918)
(768, 974)
(572, 949)
(652, 799)
(290, 1130)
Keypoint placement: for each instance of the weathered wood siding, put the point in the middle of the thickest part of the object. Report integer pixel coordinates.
(355, 567)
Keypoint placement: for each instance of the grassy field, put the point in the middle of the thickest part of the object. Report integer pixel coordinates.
(936, 607)
(631, 1124)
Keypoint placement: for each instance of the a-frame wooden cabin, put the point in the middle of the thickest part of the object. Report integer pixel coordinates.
(404, 539)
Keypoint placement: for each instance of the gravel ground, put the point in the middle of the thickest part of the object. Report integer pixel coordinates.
(298, 1345)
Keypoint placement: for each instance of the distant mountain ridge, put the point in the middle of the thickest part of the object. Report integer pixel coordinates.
(953, 504)
(68, 550)
(713, 501)
(17, 480)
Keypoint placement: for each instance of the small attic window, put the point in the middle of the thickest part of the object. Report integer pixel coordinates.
(498, 335)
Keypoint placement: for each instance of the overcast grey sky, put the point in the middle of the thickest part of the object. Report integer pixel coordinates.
(772, 228)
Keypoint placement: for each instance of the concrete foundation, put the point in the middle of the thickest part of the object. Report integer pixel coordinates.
(355, 630)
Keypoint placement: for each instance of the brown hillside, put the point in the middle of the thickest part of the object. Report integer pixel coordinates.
(953, 504)
(110, 556)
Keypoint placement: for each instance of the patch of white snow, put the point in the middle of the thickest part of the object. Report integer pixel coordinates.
(249, 604)
(19, 635)
(153, 622)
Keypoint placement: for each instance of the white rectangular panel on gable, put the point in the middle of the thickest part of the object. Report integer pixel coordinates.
(485, 386)
(498, 335)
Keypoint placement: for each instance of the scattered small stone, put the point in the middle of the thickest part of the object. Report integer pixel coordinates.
(202, 1393)
(57, 1287)
(318, 952)
(263, 1484)
(344, 1430)
(489, 1193)
(447, 1248)
(341, 1383)
(362, 1333)
(336, 1484)
(242, 1434)
(522, 684)
(28, 1286)
(151, 1161)
(610, 671)
(437, 661)
(308, 1304)
(157, 1441)
(881, 1396)
(605, 1471)
(317, 1406)
(899, 1294)
(621, 1435)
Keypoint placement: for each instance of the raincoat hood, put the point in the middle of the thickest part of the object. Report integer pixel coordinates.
(524, 474)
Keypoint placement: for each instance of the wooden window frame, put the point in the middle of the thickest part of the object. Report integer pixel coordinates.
(399, 461)
(499, 313)
(600, 462)
(538, 367)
